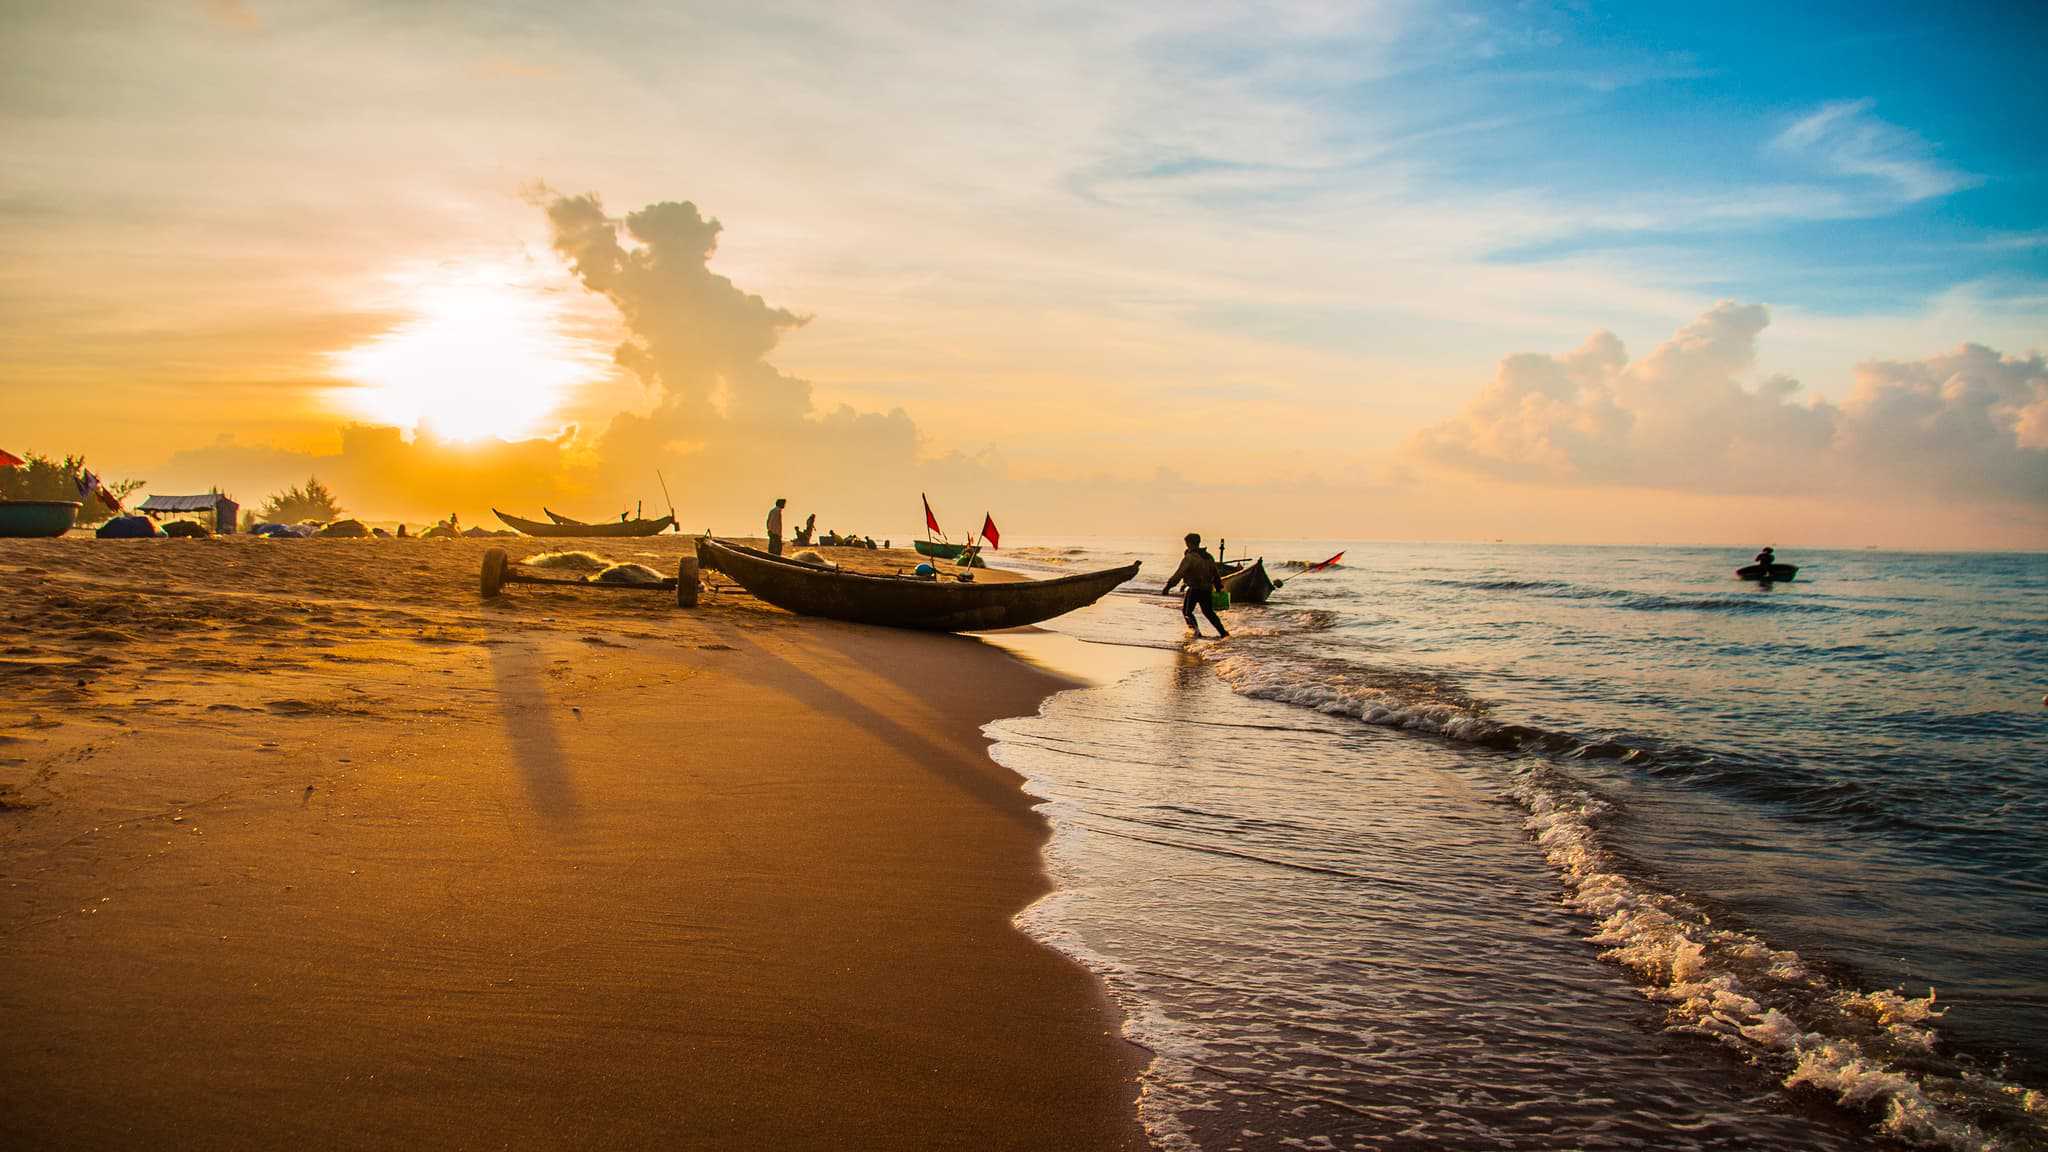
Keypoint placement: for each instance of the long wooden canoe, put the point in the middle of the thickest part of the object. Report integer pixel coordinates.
(1248, 583)
(570, 531)
(906, 601)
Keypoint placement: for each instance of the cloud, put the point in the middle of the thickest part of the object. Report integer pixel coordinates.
(1969, 423)
(1845, 139)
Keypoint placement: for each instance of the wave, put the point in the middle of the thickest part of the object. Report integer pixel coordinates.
(1622, 598)
(1876, 1052)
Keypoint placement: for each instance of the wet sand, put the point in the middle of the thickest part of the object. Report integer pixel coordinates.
(301, 842)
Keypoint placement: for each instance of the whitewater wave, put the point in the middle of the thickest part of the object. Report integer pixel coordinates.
(1869, 1051)
(1877, 1052)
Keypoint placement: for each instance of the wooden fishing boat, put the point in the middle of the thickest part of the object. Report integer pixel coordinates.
(961, 554)
(37, 517)
(1247, 582)
(570, 531)
(1766, 573)
(936, 605)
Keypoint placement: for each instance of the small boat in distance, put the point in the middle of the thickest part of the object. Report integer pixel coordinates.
(1247, 582)
(558, 518)
(934, 605)
(572, 530)
(1767, 573)
(938, 549)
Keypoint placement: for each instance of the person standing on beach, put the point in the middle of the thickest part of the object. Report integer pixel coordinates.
(775, 527)
(1199, 572)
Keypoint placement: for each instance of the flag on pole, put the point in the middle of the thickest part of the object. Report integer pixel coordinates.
(931, 522)
(988, 531)
(10, 460)
(89, 486)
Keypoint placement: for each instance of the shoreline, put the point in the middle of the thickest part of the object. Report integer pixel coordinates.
(302, 841)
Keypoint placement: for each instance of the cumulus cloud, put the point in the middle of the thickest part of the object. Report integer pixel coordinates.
(1845, 138)
(739, 429)
(1969, 423)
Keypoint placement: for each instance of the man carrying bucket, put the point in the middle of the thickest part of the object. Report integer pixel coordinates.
(1203, 578)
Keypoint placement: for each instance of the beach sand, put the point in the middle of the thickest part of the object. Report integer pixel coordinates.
(302, 842)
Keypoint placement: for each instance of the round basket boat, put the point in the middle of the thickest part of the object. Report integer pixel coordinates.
(37, 517)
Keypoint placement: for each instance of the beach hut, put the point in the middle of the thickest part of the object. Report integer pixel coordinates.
(224, 510)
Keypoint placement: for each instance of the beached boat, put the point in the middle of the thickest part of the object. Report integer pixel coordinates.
(906, 601)
(37, 517)
(1766, 573)
(940, 550)
(565, 531)
(1247, 582)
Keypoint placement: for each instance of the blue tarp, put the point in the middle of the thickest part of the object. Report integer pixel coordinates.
(128, 528)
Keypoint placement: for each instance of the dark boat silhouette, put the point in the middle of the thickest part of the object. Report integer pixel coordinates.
(572, 530)
(936, 605)
(1247, 582)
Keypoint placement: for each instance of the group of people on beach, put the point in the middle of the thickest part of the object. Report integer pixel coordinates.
(809, 533)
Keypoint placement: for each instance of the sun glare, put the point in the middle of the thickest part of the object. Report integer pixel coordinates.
(484, 352)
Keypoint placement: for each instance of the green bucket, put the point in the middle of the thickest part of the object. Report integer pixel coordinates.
(1219, 599)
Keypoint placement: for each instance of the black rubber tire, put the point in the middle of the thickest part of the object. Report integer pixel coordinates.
(494, 572)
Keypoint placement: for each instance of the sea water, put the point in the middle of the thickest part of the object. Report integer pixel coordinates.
(1544, 847)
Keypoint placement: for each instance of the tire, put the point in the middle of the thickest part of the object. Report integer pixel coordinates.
(494, 572)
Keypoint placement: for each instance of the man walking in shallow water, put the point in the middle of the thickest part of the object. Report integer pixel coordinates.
(775, 527)
(1199, 572)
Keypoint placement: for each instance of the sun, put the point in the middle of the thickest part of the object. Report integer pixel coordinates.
(484, 352)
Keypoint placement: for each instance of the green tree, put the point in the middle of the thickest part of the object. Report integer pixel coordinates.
(45, 478)
(315, 501)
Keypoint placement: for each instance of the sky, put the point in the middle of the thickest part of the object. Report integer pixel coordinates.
(1577, 272)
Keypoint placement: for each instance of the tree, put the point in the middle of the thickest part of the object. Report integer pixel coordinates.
(312, 502)
(44, 478)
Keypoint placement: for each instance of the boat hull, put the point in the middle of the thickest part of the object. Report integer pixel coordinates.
(626, 528)
(1766, 573)
(31, 518)
(1248, 583)
(938, 550)
(904, 601)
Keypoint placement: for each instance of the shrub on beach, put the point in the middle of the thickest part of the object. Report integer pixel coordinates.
(315, 501)
(44, 478)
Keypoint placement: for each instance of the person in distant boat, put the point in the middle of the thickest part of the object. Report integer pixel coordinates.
(1198, 571)
(1767, 557)
(775, 527)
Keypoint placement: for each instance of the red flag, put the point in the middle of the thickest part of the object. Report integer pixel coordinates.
(931, 522)
(1324, 564)
(9, 459)
(988, 531)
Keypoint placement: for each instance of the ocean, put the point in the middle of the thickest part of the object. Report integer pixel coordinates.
(1488, 846)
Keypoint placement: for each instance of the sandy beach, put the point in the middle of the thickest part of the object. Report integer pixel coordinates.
(303, 842)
